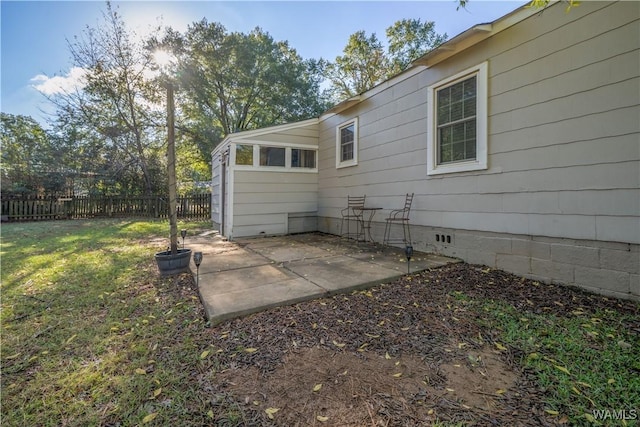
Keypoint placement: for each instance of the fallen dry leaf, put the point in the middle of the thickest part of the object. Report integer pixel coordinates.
(271, 411)
(500, 347)
(562, 369)
(152, 416)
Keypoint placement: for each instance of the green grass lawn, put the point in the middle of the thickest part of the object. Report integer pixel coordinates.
(92, 336)
(588, 362)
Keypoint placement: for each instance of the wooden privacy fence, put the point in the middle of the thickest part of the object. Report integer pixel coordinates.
(39, 209)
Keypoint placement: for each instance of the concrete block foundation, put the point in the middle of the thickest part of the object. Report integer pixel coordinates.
(607, 268)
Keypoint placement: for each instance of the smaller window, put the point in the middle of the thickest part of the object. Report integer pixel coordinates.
(303, 158)
(347, 134)
(347, 144)
(272, 156)
(244, 155)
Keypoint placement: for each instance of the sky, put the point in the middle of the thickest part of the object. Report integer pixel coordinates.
(34, 35)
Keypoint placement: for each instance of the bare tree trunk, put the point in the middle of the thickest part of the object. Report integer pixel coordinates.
(171, 170)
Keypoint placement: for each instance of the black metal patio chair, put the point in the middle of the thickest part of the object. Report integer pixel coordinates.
(353, 211)
(399, 216)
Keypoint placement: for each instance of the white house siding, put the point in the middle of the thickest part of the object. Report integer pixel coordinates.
(301, 135)
(264, 201)
(560, 200)
(216, 169)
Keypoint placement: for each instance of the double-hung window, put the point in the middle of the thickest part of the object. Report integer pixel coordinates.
(457, 112)
(347, 144)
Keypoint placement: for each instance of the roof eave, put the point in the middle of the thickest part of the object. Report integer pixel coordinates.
(455, 45)
(473, 36)
(265, 130)
(347, 103)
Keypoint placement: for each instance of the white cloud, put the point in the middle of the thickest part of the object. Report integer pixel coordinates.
(56, 85)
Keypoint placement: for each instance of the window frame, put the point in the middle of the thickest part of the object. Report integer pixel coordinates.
(480, 71)
(353, 161)
(315, 158)
(288, 147)
(235, 157)
(267, 147)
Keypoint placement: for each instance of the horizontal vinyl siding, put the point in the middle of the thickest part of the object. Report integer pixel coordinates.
(396, 126)
(263, 200)
(307, 135)
(563, 151)
(216, 169)
(257, 176)
(248, 226)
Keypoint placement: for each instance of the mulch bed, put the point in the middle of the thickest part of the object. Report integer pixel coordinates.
(406, 353)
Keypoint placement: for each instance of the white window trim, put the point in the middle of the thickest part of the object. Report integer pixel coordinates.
(275, 167)
(480, 162)
(301, 169)
(233, 156)
(256, 157)
(354, 161)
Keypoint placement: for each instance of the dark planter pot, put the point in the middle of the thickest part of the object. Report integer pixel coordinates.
(173, 264)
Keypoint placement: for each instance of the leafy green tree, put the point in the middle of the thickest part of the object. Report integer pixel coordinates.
(363, 65)
(87, 155)
(192, 170)
(30, 158)
(236, 81)
(365, 62)
(116, 103)
(408, 40)
(540, 4)
(100, 167)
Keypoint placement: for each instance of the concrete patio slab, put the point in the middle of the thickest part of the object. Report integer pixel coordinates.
(325, 241)
(241, 279)
(256, 243)
(231, 260)
(250, 275)
(228, 305)
(395, 259)
(341, 273)
(291, 252)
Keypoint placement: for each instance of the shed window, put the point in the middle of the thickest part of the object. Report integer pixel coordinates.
(303, 158)
(244, 155)
(347, 144)
(457, 110)
(272, 156)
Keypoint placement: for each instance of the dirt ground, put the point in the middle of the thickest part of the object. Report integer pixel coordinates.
(400, 354)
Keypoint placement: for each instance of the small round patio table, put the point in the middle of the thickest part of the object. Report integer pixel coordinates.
(365, 223)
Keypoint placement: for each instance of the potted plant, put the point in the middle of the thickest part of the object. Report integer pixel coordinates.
(174, 260)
